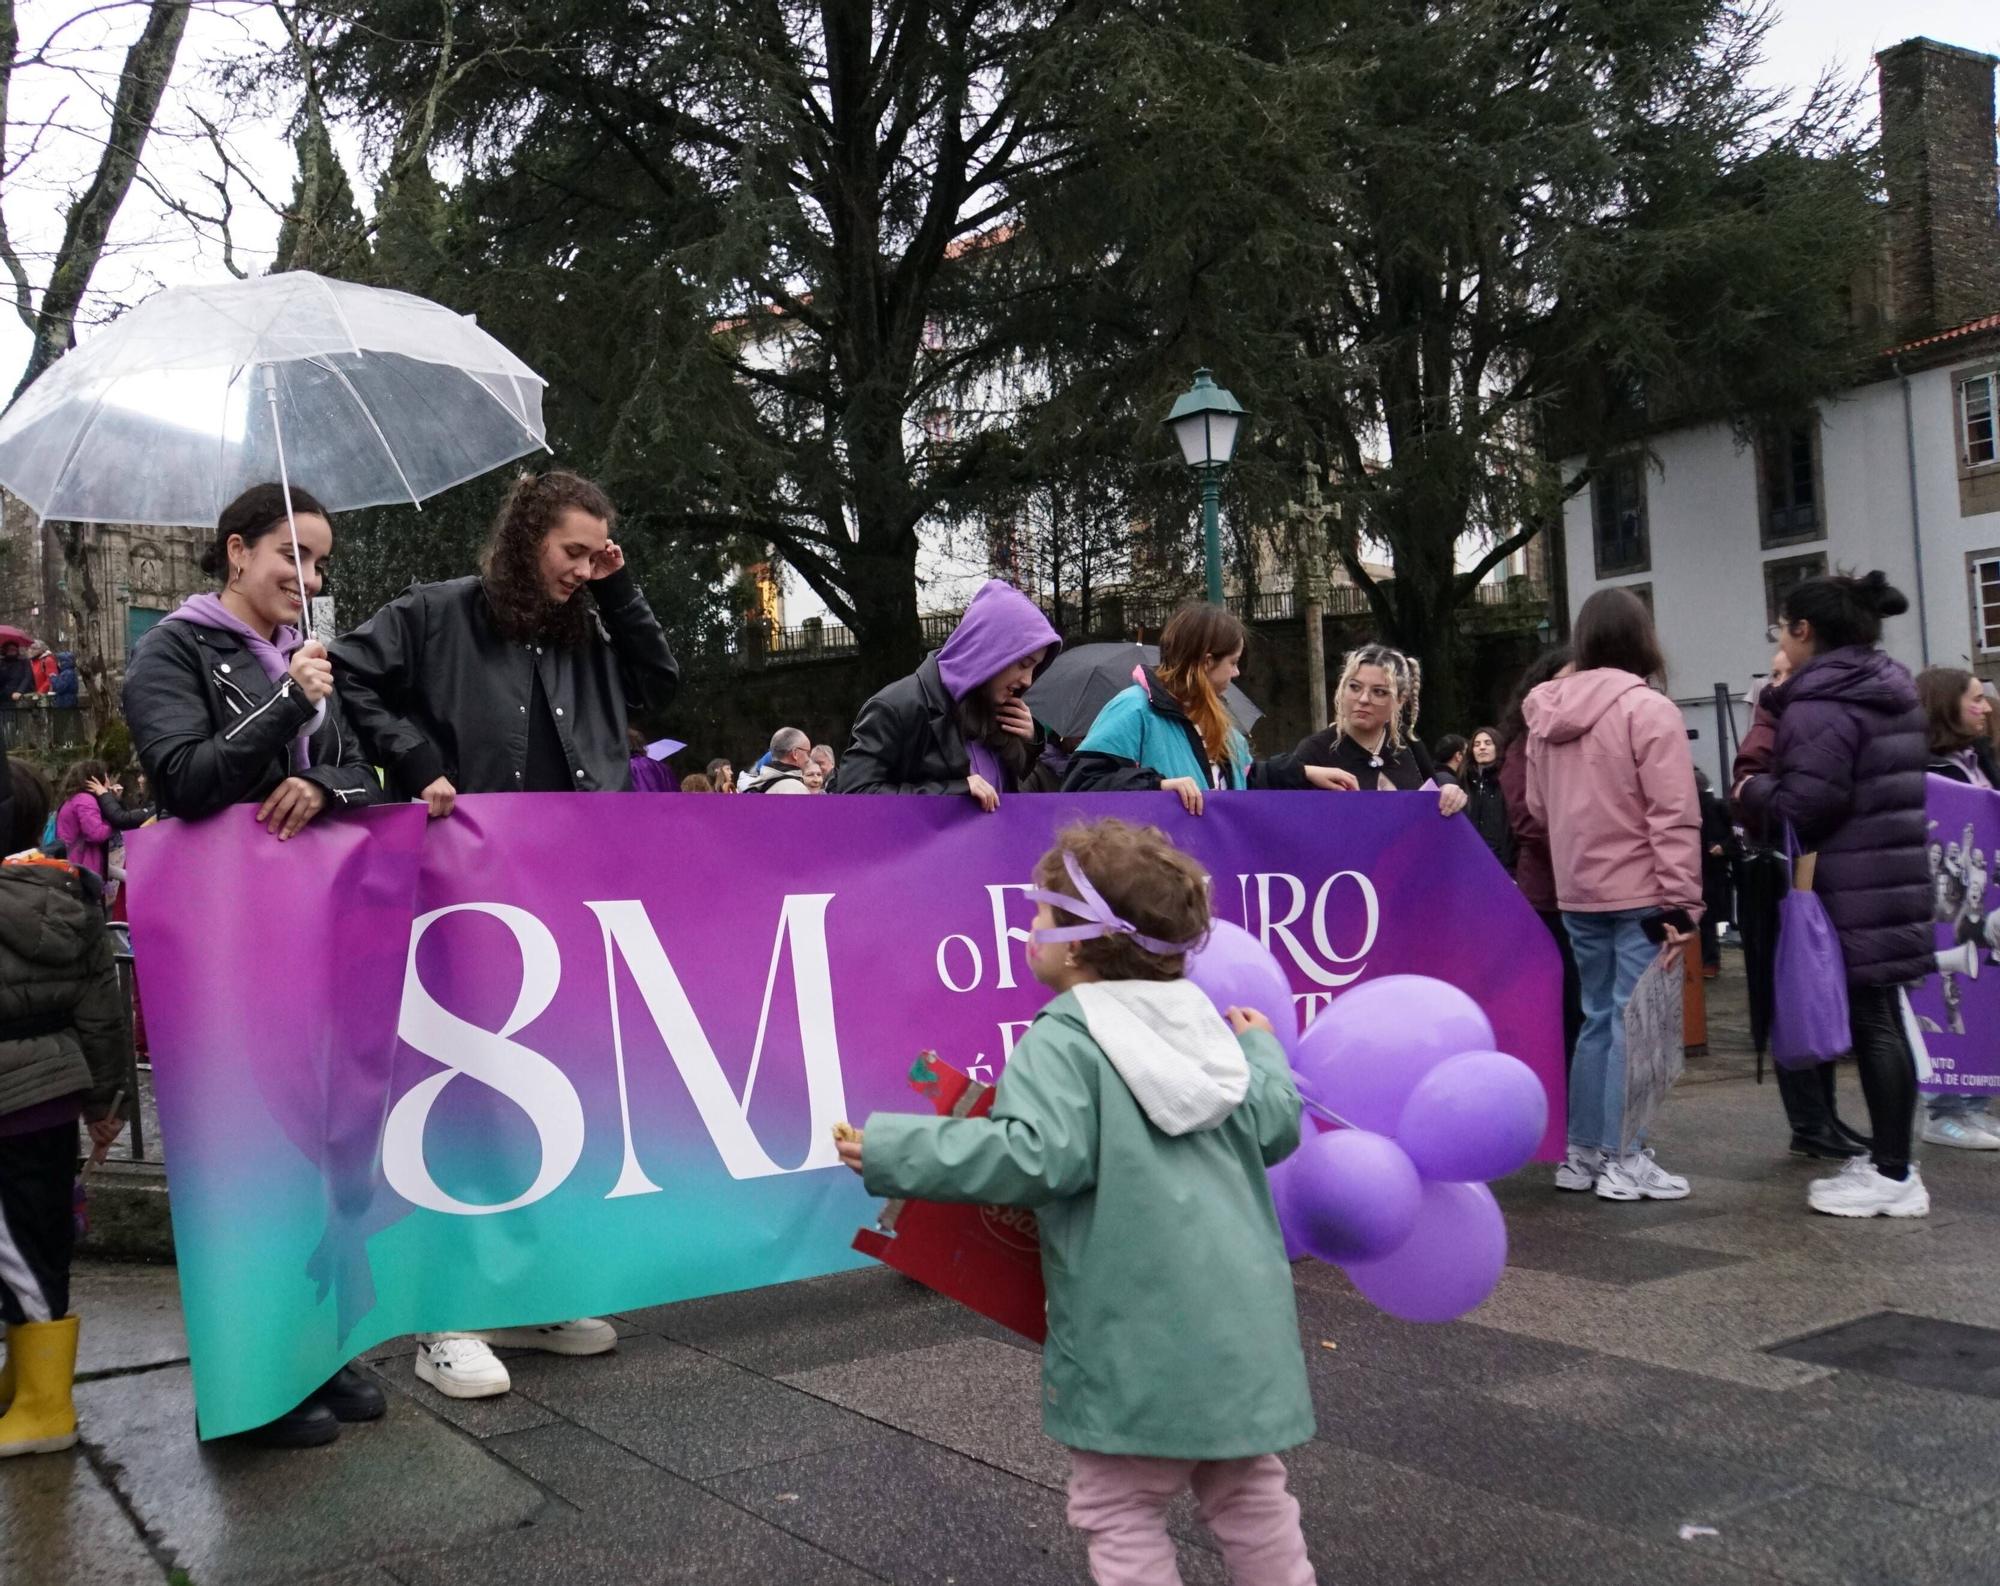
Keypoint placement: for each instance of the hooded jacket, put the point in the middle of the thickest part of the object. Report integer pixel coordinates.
(1611, 780)
(63, 686)
(906, 738)
(1848, 774)
(1173, 1328)
(774, 778)
(1142, 737)
(62, 1024)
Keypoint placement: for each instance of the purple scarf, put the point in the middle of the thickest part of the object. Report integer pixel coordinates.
(273, 655)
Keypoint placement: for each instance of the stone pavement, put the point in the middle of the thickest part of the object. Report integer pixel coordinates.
(1619, 1412)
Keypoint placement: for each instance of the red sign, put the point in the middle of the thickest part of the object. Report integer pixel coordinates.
(988, 1258)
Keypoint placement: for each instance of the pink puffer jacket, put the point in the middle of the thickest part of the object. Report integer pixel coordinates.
(1610, 776)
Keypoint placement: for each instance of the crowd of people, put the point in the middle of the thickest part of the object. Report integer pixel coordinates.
(526, 677)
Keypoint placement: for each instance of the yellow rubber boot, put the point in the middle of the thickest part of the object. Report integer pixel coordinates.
(42, 1419)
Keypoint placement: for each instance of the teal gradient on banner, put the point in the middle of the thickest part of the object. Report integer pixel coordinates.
(366, 1141)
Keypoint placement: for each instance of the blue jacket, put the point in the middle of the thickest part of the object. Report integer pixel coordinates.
(1142, 737)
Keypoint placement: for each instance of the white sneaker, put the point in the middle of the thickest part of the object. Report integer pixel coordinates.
(1578, 1171)
(1638, 1177)
(1964, 1133)
(461, 1366)
(1987, 1122)
(1857, 1190)
(586, 1336)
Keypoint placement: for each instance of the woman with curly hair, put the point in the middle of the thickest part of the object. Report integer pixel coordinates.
(1170, 729)
(511, 681)
(1373, 737)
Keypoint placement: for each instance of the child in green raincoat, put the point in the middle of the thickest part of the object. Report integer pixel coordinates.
(1139, 1127)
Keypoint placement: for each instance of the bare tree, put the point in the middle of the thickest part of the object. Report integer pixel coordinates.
(135, 103)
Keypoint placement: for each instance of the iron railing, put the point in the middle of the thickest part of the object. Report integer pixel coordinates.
(1112, 616)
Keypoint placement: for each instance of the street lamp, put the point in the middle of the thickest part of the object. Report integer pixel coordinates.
(1205, 421)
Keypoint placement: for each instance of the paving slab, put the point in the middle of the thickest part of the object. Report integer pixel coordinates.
(1829, 1536)
(624, 1519)
(979, 1398)
(504, 1412)
(821, 1322)
(233, 1516)
(59, 1523)
(914, 1513)
(685, 1411)
(1830, 1432)
(131, 1317)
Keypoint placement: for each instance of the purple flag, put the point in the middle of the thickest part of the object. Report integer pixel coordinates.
(565, 1054)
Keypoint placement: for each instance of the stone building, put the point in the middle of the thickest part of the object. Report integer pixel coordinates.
(100, 595)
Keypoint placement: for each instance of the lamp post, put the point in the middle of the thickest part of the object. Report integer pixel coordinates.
(1205, 421)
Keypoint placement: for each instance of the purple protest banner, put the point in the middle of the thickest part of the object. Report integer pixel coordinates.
(560, 1055)
(1958, 1010)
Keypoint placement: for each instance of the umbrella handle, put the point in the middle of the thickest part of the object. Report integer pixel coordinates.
(285, 486)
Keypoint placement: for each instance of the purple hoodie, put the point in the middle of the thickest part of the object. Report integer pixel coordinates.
(1000, 626)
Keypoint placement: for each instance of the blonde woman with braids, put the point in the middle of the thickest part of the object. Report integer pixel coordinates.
(1373, 736)
(1171, 731)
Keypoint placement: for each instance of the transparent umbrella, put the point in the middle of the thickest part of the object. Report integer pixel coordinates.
(363, 396)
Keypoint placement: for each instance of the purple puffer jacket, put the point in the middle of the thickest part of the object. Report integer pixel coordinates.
(1849, 776)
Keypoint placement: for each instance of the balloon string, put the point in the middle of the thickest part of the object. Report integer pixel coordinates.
(1325, 1112)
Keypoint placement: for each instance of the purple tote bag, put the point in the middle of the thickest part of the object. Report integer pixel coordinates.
(1809, 1013)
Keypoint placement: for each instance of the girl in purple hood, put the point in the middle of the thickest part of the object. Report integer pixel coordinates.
(960, 722)
(1848, 777)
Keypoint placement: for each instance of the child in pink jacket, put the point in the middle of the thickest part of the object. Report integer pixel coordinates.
(1611, 778)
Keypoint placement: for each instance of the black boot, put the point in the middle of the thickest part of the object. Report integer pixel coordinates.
(352, 1396)
(311, 1425)
(1854, 1137)
(1826, 1142)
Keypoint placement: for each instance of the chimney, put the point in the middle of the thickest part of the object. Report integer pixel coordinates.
(1944, 210)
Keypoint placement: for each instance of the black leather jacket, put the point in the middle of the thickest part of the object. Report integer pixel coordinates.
(435, 690)
(906, 740)
(212, 730)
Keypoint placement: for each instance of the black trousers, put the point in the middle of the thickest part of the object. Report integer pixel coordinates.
(1572, 987)
(37, 1223)
(1888, 1073)
(1808, 1095)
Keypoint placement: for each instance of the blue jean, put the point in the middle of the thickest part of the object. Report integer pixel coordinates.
(1612, 952)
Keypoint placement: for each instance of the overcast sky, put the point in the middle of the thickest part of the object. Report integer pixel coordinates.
(155, 247)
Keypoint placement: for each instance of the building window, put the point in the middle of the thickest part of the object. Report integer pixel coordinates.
(1983, 569)
(1788, 476)
(1784, 575)
(1978, 406)
(1618, 518)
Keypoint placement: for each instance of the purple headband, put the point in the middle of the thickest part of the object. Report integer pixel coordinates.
(1090, 905)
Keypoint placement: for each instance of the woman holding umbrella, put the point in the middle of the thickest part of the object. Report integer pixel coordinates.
(1170, 730)
(227, 706)
(959, 724)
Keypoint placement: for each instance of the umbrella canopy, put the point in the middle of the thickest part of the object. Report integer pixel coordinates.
(1067, 697)
(13, 635)
(166, 415)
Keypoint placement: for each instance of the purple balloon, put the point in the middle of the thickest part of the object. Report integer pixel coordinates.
(1238, 971)
(1364, 1053)
(1280, 1175)
(1476, 1116)
(1350, 1196)
(1450, 1263)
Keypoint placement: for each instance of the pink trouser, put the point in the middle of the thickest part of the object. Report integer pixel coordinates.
(1120, 1502)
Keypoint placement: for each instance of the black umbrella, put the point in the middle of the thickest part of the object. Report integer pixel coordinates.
(1079, 682)
(1761, 882)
